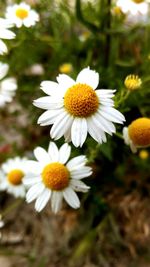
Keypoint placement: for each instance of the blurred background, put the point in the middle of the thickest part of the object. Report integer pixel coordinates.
(112, 226)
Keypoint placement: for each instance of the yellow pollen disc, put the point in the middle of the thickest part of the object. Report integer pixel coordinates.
(22, 13)
(138, 1)
(15, 176)
(81, 100)
(55, 176)
(132, 82)
(139, 132)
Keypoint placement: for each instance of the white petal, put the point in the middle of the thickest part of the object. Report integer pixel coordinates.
(3, 48)
(67, 136)
(42, 200)
(105, 92)
(56, 201)
(34, 192)
(79, 131)
(89, 77)
(50, 88)
(64, 153)
(9, 85)
(49, 117)
(3, 185)
(53, 152)
(30, 180)
(34, 166)
(4, 23)
(65, 81)
(48, 102)
(71, 198)
(6, 34)
(79, 186)
(113, 112)
(107, 102)
(74, 163)
(81, 173)
(97, 121)
(108, 125)
(125, 135)
(61, 125)
(41, 155)
(97, 133)
(3, 70)
(133, 147)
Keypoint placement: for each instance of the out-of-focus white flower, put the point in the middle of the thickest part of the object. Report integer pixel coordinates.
(5, 33)
(8, 86)
(54, 178)
(135, 12)
(11, 175)
(75, 108)
(22, 14)
(137, 134)
(35, 70)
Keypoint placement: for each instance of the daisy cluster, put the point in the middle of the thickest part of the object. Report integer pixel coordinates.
(74, 110)
(16, 15)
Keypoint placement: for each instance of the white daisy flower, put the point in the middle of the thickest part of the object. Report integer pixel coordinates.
(22, 14)
(5, 33)
(54, 177)
(75, 108)
(136, 11)
(137, 134)
(8, 86)
(11, 175)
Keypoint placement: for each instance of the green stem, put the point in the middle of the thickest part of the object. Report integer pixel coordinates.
(108, 37)
(124, 95)
(119, 135)
(79, 15)
(11, 207)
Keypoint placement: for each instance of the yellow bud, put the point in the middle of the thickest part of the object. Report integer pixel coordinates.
(66, 68)
(143, 154)
(132, 82)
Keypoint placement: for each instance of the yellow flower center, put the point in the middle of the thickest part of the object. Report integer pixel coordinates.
(55, 176)
(139, 132)
(22, 13)
(15, 176)
(81, 100)
(132, 82)
(138, 1)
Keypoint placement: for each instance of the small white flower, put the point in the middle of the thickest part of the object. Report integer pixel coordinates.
(137, 134)
(5, 33)
(8, 86)
(22, 14)
(75, 108)
(11, 175)
(54, 178)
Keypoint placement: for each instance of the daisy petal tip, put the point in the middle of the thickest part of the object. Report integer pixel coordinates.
(37, 210)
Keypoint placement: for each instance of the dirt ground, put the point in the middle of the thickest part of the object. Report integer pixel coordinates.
(48, 240)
